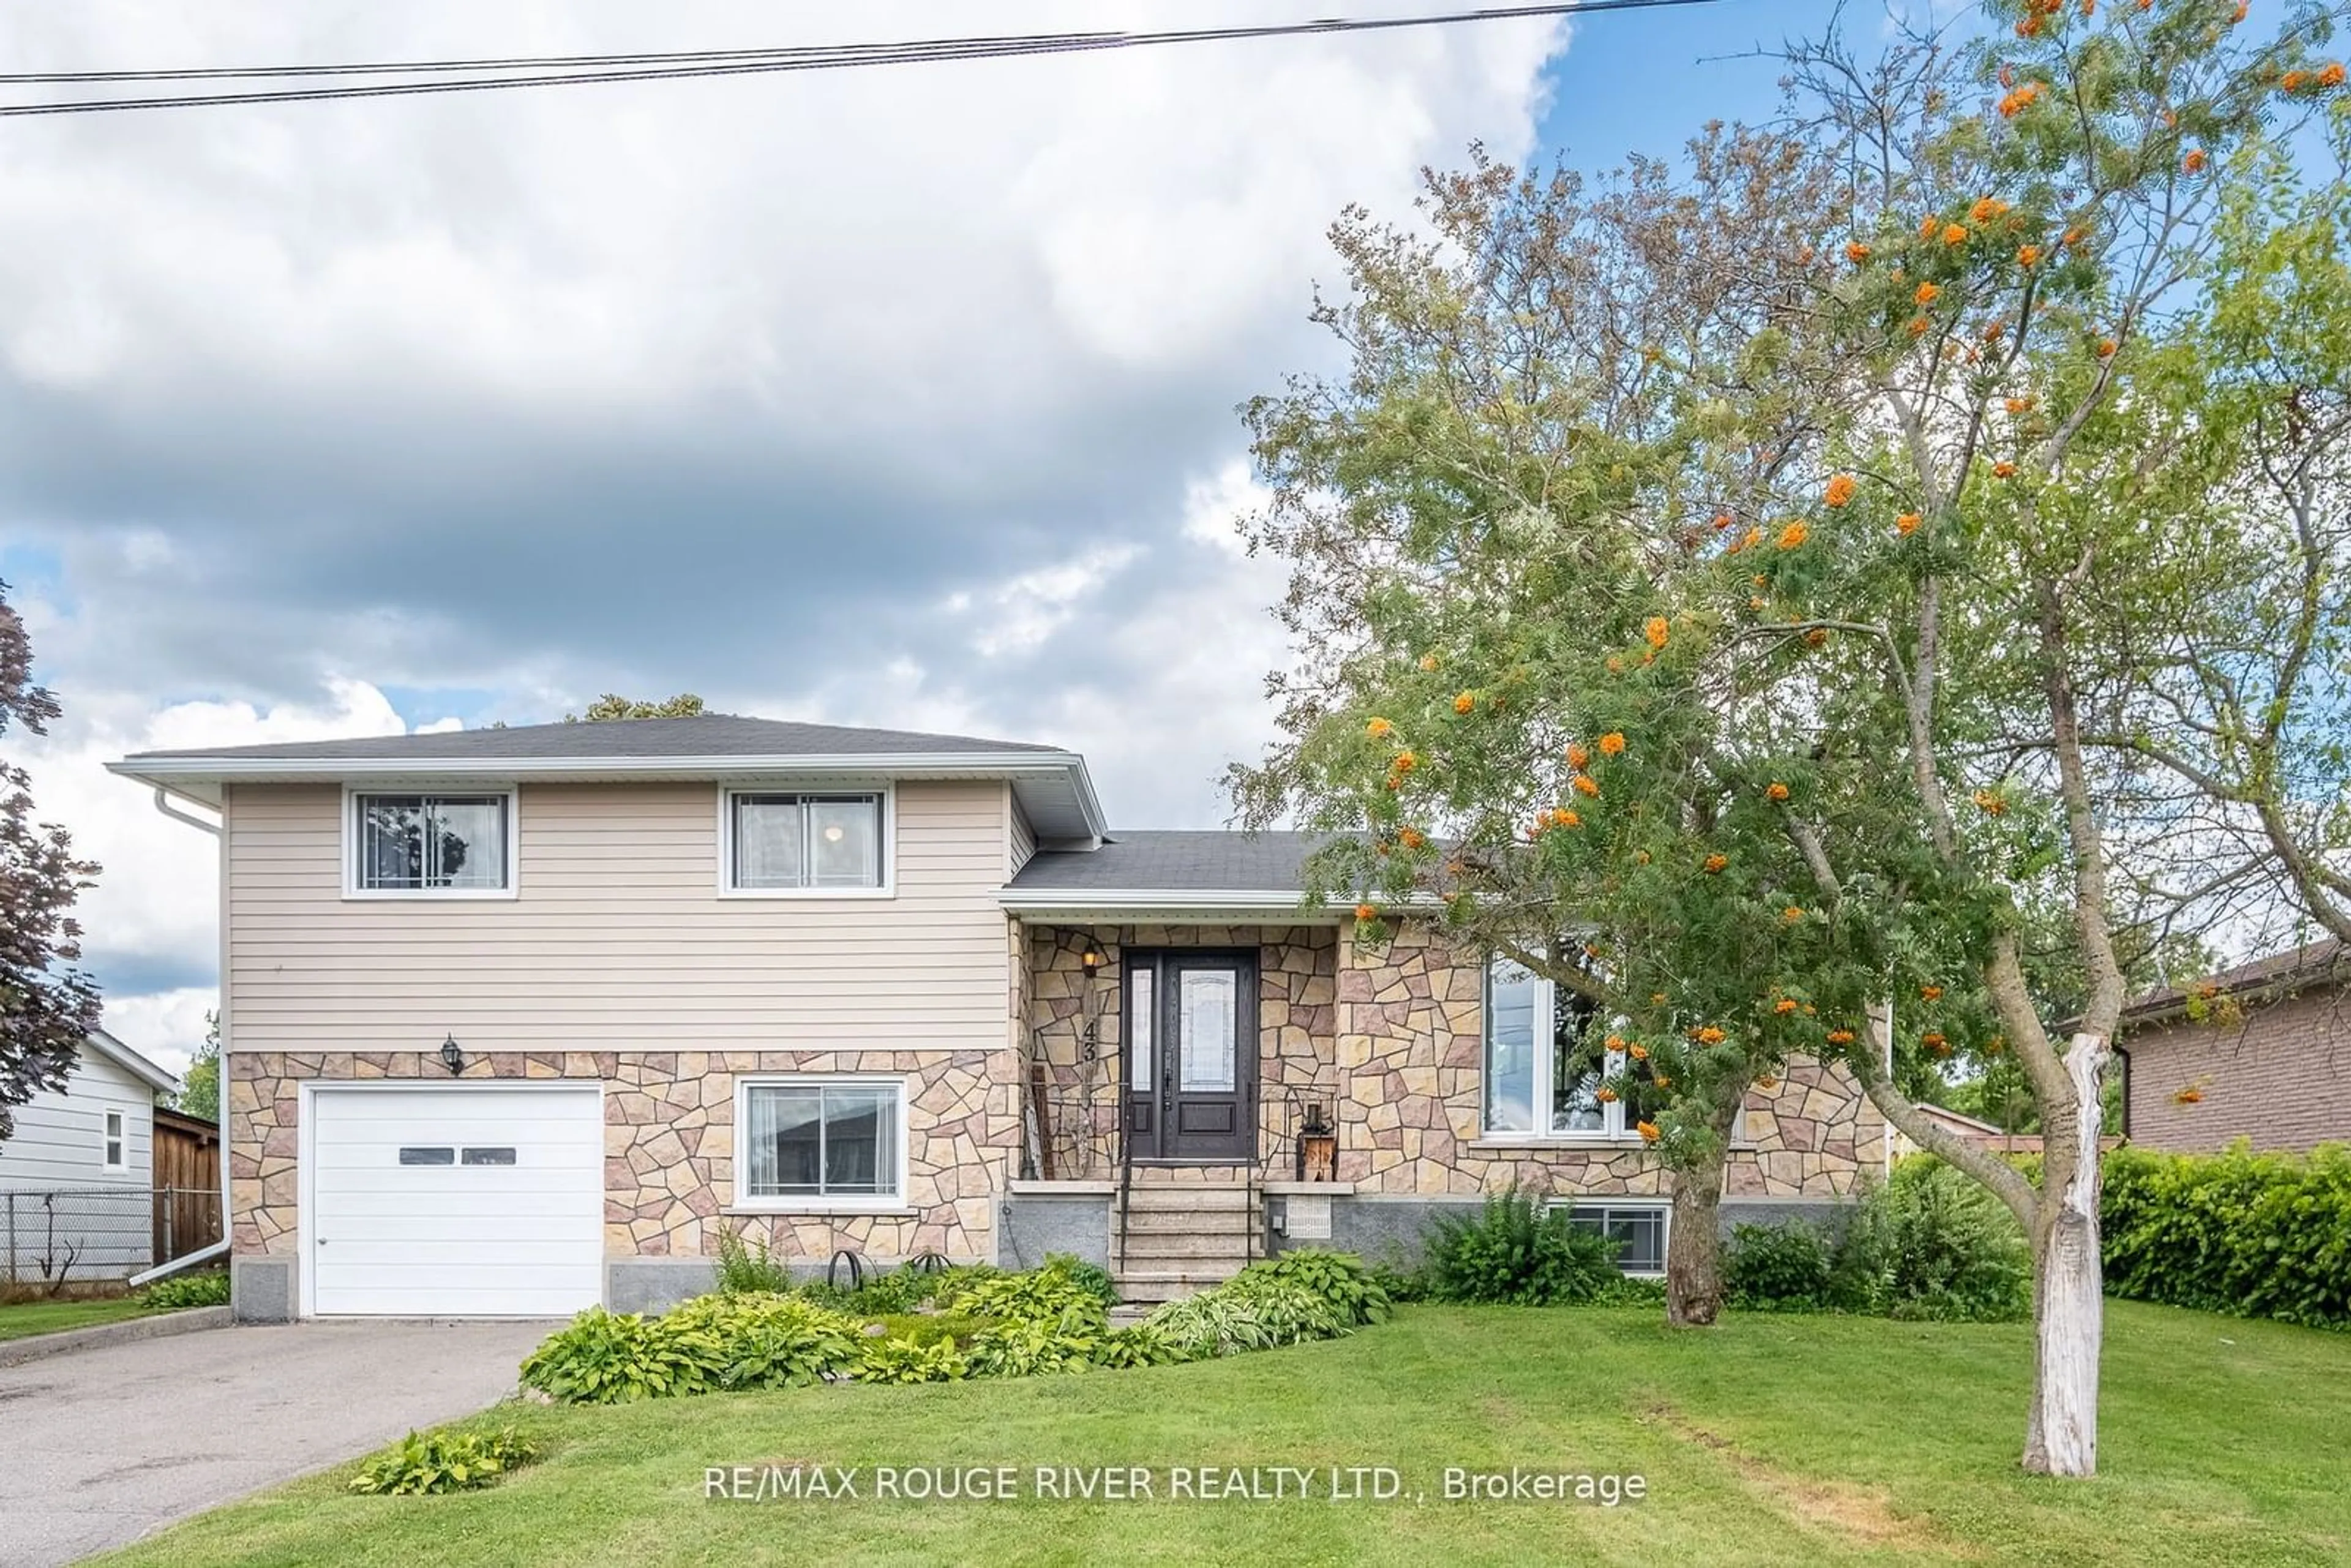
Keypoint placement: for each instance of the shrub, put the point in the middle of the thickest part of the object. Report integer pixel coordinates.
(1339, 1277)
(1787, 1267)
(1062, 1286)
(1137, 1344)
(714, 1342)
(1091, 1277)
(443, 1462)
(1932, 1243)
(1403, 1281)
(898, 1291)
(749, 1268)
(1632, 1290)
(1024, 1346)
(1519, 1252)
(2253, 1235)
(895, 1360)
(930, 1328)
(1288, 1310)
(1244, 1314)
(767, 1341)
(208, 1289)
(608, 1358)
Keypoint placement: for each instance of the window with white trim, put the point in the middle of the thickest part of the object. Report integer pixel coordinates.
(1547, 1062)
(823, 1140)
(116, 1154)
(431, 844)
(1637, 1228)
(783, 843)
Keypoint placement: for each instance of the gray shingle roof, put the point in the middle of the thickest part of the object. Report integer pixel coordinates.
(708, 735)
(1177, 861)
(2287, 972)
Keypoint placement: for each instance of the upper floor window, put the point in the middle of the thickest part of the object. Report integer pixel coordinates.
(791, 844)
(1547, 1060)
(433, 843)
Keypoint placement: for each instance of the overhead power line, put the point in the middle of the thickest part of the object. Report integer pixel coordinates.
(685, 65)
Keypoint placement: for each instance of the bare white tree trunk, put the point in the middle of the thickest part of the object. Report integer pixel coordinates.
(2069, 1303)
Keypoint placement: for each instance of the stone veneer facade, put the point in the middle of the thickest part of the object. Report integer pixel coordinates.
(669, 1144)
(1297, 1014)
(1388, 1036)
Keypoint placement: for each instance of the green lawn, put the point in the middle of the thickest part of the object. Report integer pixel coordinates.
(50, 1317)
(1768, 1440)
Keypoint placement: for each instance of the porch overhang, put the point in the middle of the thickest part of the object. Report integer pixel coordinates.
(1168, 906)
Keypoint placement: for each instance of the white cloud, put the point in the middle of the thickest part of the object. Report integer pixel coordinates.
(156, 907)
(164, 1027)
(1021, 612)
(539, 394)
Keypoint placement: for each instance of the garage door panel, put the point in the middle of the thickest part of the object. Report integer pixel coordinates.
(536, 1152)
(518, 1234)
(457, 1186)
(367, 1216)
(397, 1263)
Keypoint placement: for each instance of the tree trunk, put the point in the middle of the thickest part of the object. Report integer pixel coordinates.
(1694, 1244)
(2061, 1436)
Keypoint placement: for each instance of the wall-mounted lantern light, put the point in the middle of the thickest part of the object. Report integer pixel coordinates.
(453, 1056)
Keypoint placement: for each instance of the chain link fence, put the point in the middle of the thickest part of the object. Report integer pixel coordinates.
(55, 1236)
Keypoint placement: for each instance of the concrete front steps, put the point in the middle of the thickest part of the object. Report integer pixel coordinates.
(1181, 1236)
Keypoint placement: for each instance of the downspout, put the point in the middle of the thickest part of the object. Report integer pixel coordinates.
(2122, 1055)
(185, 1261)
(220, 1016)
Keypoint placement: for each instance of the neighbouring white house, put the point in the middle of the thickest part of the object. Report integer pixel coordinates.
(77, 1177)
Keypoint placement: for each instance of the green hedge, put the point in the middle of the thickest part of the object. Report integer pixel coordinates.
(2260, 1236)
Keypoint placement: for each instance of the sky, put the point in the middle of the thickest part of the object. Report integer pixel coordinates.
(903, 397)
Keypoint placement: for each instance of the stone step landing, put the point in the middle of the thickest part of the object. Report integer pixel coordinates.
(1182, 1236)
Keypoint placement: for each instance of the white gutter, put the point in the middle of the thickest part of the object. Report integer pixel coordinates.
(199, 1255)
(1024, 899)
(164, 804)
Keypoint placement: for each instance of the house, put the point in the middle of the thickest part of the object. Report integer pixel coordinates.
(517, 1020)
(75, 1196)
(1972, 1129)
(2261, 1052)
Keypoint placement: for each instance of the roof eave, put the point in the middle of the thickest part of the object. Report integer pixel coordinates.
(1082, 903)
(130, 1061)
(193, 774)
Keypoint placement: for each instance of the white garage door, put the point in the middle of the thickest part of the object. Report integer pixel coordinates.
(456, 1201)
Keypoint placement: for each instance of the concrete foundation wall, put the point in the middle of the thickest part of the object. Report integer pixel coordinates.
(1034, 1225)
(1391, 1230)
(263, 1290)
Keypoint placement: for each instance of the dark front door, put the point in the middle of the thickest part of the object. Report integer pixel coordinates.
(1190, 1026)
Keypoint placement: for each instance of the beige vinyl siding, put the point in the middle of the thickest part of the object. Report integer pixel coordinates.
(617, 935)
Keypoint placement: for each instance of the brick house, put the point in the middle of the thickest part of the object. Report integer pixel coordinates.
(2260, 1052)
(517, 1020)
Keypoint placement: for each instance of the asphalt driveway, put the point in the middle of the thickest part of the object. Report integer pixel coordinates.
(102, 1446)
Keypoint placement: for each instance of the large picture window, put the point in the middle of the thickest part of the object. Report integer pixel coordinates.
(1546, 1061)
(431, 843)
(789, 843)
(825, 1142)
